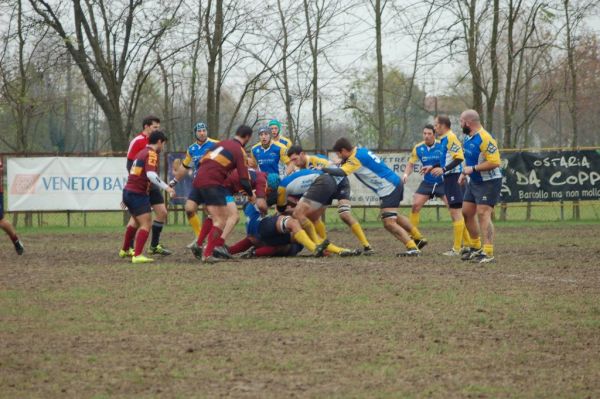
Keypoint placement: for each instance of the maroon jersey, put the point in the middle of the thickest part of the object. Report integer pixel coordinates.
(136, 145)
(145, 161)
(258, 181)
(217, 163)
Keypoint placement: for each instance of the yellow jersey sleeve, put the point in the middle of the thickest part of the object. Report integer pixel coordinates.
(413, 156)
(281, 196)
(315, 162)
(351, 165)
(187, 160)
(283, 157)
(489, 149)
(454, 148)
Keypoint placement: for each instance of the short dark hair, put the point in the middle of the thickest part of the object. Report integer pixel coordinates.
(295, 150)
(342, 144)
(243, 131)
(149, 120)
(444, 120)
(430, 127)
(157, 136)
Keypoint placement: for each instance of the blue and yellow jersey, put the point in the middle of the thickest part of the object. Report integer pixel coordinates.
(296, 184)
(452, 149)
(428, 156)
(371, 171)
(287, 143)
(253, 218)
(196, 151)
(316, 161)
(269, 159)
(479, 148)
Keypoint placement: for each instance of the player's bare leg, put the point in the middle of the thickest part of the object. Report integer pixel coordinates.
(389, 216)
(9, 229)
(345, 214)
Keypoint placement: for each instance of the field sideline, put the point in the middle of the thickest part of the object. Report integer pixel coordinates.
(77, 321)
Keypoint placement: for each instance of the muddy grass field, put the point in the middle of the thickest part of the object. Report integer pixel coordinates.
(77, 321)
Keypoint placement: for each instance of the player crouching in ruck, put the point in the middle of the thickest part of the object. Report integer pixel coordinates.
(136, 195)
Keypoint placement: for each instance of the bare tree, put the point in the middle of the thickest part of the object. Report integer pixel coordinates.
(106, 40)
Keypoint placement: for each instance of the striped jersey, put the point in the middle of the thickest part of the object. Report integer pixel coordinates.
(371, 171)
(428, 156)
(479, 148)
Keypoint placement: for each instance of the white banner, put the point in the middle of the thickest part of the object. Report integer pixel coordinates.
(55, 183)
(396, 161)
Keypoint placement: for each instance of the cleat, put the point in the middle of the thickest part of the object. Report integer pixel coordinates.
(483, 258)
(248, 254)
(222, 252)
(421, 243)
(191, 244)
(19, 247)
(126, 253)
(212, 259)
(409, 253)
(368, 251)
(197, 251)
(350, 252)
(452, 252)
(159, 250)
(464, 250)
(473, 252)
(320, 250)
(141, 259)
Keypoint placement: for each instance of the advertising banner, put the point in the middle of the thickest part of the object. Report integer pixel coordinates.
(551, 176)
(59, 183)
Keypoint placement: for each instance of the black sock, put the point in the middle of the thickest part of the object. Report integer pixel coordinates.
(156, 230)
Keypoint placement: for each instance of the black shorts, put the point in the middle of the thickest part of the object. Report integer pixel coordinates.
(267, 231)
(156, 196)
(196, 196)
(137, 204)
(393, 199)
(272, 198)
(216, 195)
(323, 190)
(1, 205)
(431, 189)
(343, 191)
(453, 190)
(483, 193)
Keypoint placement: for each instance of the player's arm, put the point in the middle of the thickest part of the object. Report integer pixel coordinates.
(281, 198)
(242, 169)
(182, 170)
(152, 175)
(351, 165)
(410, 166)
(491, 155)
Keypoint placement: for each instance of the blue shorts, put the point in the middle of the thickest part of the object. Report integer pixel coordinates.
(393, 199)
(267, 231)
(137, 204)
(216, 195)
(431, 189)
(453, 190)
(156, 195)
(483, 193)
(196, 196)
(1, 206)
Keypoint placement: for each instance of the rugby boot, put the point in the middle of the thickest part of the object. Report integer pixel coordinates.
(421, 243)
(197, 251)
(482, 258)
(141, 259)
(222, 252)
(126, 253)
(452, 252)
(320, 250)
(159, 250)
(248, 254)
(368, 251)
(409, 253)
(19, 247)
(350, 252)
(473, 252)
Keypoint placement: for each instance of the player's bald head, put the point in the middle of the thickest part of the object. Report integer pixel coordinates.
(470, 115)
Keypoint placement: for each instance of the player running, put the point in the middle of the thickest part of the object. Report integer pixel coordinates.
(136, 195)
(5, 224)
(374, 174)
(303, 161)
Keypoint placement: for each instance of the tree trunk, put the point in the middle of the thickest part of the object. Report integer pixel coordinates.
(383, 139)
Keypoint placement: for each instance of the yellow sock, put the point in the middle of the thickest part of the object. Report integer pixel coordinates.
(415, 218)
(310, 229)
(476, 243)
(360, 234)
(334, 249)
(411, 245)
(466, 237)
(303, 238)
(458, 228)
(195, 223)
(320, 228)
(488, 249)
(415, 233)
